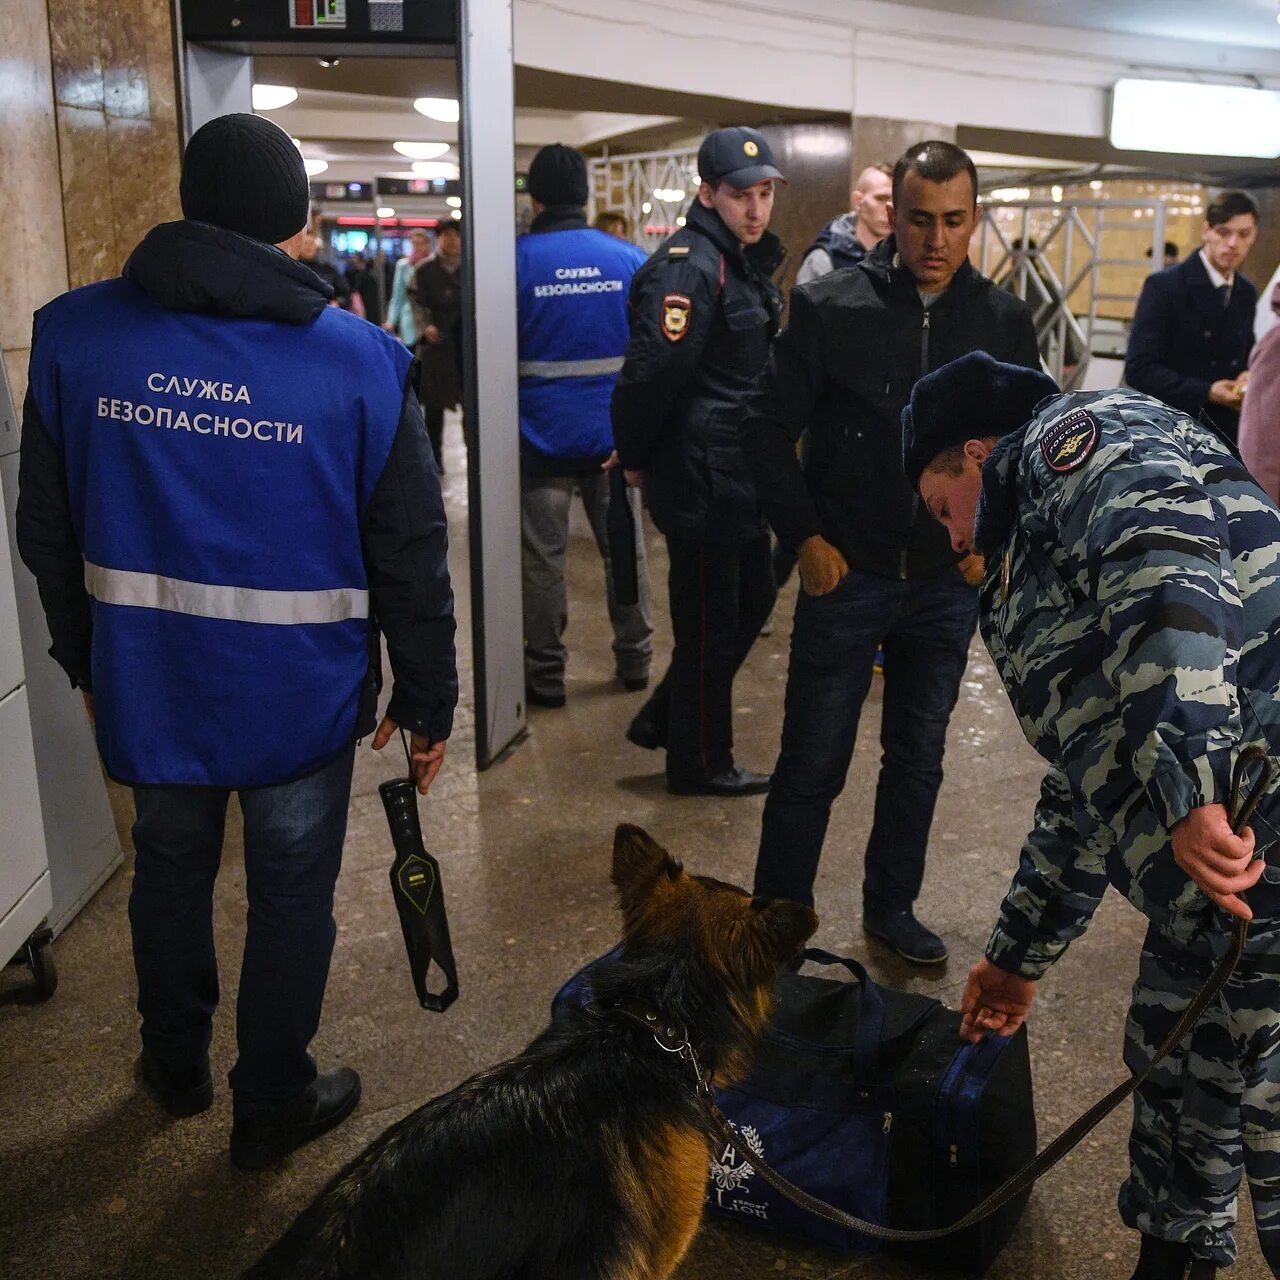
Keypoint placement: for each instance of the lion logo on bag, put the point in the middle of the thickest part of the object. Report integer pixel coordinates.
(728, 1172)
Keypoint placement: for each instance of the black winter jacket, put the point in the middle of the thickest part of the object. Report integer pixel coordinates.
(190, 266)
(856, 343)
(703, 313)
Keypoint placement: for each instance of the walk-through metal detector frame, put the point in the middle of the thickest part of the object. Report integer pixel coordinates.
(216, 73)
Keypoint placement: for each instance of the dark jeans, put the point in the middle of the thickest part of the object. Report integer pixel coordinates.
(293, 838)
(925, 629)
(721, 594)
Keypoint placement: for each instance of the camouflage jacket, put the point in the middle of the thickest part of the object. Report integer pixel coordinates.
(1131, 603)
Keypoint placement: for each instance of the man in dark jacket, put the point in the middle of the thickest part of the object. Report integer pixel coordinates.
(1193, 330)
(437, 313)
(226, 491)
(703, 312)
(873, 564)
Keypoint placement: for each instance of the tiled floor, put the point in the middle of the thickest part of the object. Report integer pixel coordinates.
(98, 1184)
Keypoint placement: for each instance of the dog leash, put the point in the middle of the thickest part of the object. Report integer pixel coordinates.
(673, 1040)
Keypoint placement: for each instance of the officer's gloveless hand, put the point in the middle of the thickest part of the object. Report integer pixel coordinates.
(1219, 861)
(822, 567)
(994, 1000)
(426, 757)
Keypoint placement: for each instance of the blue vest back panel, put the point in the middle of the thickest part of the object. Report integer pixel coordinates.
(572, 289)
(218, 469)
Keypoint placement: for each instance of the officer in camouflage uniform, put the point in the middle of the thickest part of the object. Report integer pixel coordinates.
(1131, 602)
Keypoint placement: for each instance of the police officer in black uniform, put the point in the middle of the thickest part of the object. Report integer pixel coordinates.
(704, 310)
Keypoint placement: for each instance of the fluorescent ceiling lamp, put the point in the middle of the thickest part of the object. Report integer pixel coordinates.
(434, 169)
(454, 202)
(386, 212)
(1195, 119)
(271, 97)
(421, 150)
(314, 167)
(457, 213)
(445, 109)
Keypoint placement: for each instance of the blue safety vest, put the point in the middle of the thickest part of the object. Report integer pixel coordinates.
(572, 289)
(218, 468)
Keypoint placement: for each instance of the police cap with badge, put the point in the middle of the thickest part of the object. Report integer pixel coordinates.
(739, 156)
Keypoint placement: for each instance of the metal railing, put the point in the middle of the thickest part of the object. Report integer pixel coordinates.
(653, 189)
(1053, 254)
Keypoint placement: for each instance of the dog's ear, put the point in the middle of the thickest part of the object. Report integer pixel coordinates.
(638, 861)
(787, 926)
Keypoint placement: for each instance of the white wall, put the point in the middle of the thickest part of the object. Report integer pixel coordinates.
(867, 57)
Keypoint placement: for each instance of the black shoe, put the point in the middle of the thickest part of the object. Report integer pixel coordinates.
(648, 729)
(535, 699)
(180, 1090)
(633, 684)
(1165, 1260)
(907, 936)
(732, 782)
(259, 1141)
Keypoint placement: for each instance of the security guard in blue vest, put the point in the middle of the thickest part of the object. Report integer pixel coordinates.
(704, 310)
(571, 296)
(226, 491)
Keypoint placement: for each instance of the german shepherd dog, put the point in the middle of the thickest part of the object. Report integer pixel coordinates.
(585, 1157)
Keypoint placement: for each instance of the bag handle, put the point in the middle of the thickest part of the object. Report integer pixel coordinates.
(866, 1042)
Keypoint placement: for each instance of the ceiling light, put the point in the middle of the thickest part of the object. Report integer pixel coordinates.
(435, 169)
(457, 213)
(386, 212)
(1056, 192)
(1195, 119)
(421, 150)
(454, 202)
(445, 109)
(646, 207)
(271, 97)
(314, 167)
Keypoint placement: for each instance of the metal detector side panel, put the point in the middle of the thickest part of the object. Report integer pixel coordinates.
(485, 74)
(79, 830)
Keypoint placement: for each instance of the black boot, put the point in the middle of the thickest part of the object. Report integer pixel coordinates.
(1165, 1260)
(263, 1139)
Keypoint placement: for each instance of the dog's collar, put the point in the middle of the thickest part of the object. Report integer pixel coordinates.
(669, 1035)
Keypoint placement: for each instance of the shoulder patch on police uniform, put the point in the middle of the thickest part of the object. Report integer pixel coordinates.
(677, 310)
(1069, 444)
(678, 251)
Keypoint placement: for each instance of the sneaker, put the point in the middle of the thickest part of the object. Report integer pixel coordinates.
(182, 1090)
(902, 932)
(261, 1140)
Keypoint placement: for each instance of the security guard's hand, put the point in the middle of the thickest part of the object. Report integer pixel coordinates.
(88, 706)
(822, 567)
(426, 756)
(1219, 861)
(994, 1000)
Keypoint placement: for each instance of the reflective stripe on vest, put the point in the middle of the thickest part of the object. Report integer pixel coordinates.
(228, 604)
(570, 368)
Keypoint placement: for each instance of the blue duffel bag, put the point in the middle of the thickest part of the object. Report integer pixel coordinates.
(866, 1098)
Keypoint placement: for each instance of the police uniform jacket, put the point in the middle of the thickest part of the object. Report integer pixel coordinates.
(703, 312)
(1183, 340)
(226, 490)
(855, 344)
(1132, 606)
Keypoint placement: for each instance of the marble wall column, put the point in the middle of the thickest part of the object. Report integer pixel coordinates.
(877, 139)
(89, 148)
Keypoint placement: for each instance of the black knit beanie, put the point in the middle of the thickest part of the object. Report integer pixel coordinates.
(244, 173)
(558, 176)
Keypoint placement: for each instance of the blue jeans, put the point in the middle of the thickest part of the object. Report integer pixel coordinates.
(925, 629)
(293, 837)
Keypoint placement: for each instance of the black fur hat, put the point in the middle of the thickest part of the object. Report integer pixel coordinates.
(973, 396)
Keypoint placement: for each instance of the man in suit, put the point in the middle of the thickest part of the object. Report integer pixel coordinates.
(1192, 331)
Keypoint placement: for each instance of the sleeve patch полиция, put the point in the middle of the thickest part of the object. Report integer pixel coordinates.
(1069, 444)
(677, 311)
